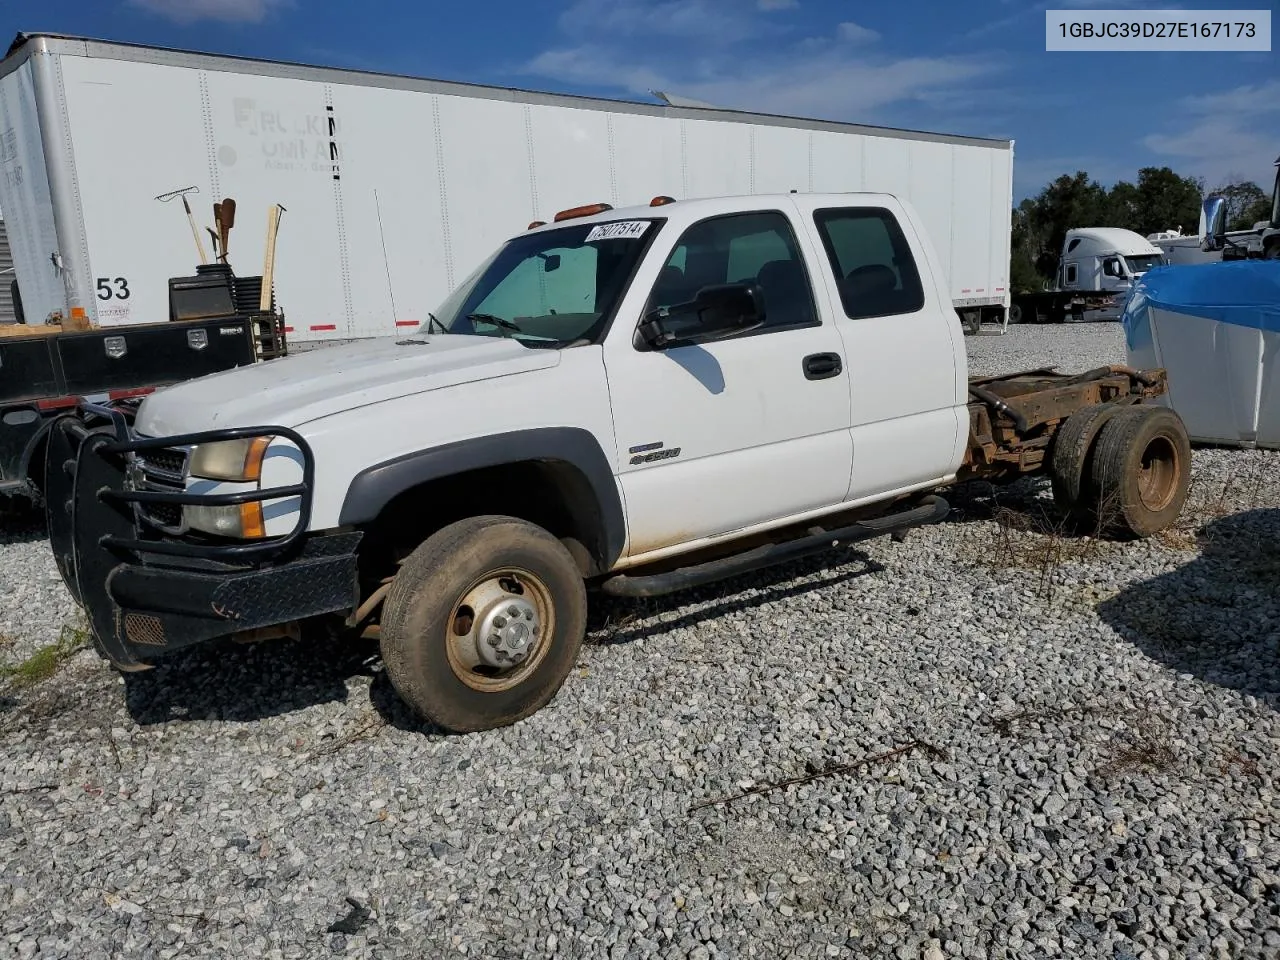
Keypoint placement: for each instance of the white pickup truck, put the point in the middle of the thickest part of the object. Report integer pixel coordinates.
(635, 400)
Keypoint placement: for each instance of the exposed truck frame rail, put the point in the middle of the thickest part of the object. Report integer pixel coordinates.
(1015, 416)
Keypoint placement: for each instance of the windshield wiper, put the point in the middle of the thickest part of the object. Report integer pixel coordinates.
(496, 321)
(433, 321)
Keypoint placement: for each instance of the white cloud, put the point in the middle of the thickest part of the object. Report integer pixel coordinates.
(707, 21)
(1226, 132)
(1248, 100)
(228, 11)
(727, 53)
(588, 65)
(768, 5)
(853, 33)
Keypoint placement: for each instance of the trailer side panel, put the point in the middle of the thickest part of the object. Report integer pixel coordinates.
(395, 188)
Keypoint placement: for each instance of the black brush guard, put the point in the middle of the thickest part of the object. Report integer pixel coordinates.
(147, 594)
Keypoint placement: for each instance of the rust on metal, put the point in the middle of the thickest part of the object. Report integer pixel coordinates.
(1013, 422)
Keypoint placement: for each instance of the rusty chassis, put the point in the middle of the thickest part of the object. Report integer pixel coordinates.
(1013, 417)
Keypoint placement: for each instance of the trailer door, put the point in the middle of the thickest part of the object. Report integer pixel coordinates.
(25, 200)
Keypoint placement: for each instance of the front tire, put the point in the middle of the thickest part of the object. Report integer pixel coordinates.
(483, 623)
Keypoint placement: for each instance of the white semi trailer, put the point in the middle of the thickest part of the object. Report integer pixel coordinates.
(394, 187)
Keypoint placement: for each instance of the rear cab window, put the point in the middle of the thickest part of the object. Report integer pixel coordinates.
(875, 271)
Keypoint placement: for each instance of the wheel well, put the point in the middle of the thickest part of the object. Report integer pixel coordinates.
(553, 494)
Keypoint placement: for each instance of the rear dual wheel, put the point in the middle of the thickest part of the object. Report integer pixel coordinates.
(1121, 470)
(1141, 471)
(483, 623)
(1071, 464)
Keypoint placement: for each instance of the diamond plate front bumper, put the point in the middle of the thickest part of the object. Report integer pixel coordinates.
(147, 594)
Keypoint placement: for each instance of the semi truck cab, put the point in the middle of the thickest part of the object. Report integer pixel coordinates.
(1105, 260)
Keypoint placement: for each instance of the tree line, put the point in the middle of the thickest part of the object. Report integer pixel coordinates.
(1160, 200)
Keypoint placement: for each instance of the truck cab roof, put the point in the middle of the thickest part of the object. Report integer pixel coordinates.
(688, 211)
(1106, 241)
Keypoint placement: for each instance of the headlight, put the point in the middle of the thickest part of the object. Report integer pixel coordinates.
(238, 460)
(243, 521)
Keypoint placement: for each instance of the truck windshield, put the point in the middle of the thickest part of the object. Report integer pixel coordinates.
(549, 289)
(1144, 262)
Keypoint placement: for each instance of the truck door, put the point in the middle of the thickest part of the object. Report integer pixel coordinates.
(716, 437)
(908, 418)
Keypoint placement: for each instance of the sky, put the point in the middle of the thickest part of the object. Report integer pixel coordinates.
(974, 67)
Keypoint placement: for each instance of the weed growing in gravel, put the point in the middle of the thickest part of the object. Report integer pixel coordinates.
(47, 661)
(1144, 751)
(1007, 724)
(1042, 542)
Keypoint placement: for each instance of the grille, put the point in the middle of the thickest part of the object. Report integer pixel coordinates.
(164, 461)
(144, 629)
(164, 514)
(163, 469)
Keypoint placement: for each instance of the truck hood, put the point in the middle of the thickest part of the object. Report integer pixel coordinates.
(293, 390)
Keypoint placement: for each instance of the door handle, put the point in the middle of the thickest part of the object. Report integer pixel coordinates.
(820, 366)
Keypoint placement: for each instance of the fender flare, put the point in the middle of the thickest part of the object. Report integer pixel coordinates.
(376, 486)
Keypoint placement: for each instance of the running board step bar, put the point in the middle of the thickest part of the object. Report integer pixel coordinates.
(930, 510)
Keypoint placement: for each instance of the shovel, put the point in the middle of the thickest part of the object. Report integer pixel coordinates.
(225, 217)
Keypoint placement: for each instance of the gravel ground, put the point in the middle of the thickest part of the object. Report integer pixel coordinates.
(1094, 770)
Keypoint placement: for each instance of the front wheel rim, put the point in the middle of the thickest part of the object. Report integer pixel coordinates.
(499, 630)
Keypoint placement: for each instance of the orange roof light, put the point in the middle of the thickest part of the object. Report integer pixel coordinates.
(586, 211)
(537, 223)
(661, 201)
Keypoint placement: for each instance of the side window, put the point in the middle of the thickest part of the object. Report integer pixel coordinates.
(1071, 273)
(756, 247)
(875, 271)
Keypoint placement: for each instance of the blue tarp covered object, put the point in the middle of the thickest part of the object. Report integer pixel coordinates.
(1244, 293)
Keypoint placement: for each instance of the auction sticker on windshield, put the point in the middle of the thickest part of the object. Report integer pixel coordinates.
(619, 230)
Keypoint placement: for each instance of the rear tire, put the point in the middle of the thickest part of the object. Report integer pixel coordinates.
(483, 623)
(1141, 470)
(1070, 463)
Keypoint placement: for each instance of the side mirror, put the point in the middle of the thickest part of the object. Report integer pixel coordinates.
(715, 312)
(1111, 267)
(1213, 224)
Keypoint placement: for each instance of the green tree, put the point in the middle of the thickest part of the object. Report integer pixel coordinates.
(1246, 203)
(1167, 201)
(1069, 201)
(1023, 276)
(1123, 206)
